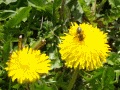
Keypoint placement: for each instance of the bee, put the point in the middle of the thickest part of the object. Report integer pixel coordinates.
(79, 33)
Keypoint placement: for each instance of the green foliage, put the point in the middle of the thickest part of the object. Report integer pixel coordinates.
(44, 21)
(19, 16)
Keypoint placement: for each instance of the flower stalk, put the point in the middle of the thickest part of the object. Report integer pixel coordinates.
(72, 81)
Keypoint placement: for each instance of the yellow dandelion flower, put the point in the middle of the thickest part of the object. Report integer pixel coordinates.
(84, 46)
(27, 64)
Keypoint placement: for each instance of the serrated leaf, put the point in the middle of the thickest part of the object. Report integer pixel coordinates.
(108, 78)
(87, 10)
(20, 15)
(112, 58)
(39, 4)
(94, 77)
(6, 14)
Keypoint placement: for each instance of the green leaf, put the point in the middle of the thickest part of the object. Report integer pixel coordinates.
(114, 3)
(1, 33)
(117, 75)
(56, 3)
(21, 14)
(6, 14)
(7, 1)
(16, 86)
(113, 59)
(108, 79)
(95, 76)
(1, 1)
(45, 87)
(1, 36)
(87, 10)
(76, 10)
(39, 4)
(6, 50)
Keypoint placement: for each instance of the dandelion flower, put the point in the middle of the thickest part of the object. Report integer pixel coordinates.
(84, 47)
(26, 65)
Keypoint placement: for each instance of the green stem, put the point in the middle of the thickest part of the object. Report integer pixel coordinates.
(31, 85)
(9, 85)
(72, 81)
(27, 86)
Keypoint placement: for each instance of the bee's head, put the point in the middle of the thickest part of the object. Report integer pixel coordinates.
(79, 30)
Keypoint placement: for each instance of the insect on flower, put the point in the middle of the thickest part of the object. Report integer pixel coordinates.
(82, 53)
(80, 34)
